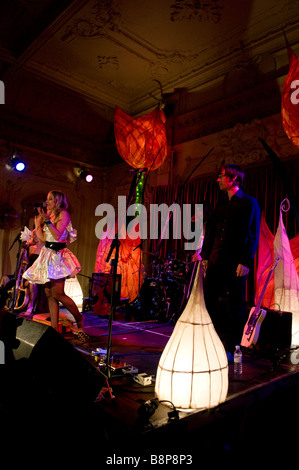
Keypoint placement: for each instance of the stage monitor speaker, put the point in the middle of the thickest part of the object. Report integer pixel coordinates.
(275, 331)
(52, 365)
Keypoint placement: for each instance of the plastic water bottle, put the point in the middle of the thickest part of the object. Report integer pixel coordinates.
(238, 369)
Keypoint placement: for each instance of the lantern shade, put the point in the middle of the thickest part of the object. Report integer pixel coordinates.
(286, 279)
(283, 288)
(193, 369)
(289, 108)
(141, 141)
(73, 289)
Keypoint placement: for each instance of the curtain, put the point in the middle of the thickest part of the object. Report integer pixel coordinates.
(263, 182)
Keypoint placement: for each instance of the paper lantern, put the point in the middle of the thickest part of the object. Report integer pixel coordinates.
(265, 262)
(142, 141)
(193, 369)
(290, 99)
(74, 290)
(283, 288)
(286, 279)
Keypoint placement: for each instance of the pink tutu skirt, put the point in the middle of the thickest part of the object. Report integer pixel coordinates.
(52, 265)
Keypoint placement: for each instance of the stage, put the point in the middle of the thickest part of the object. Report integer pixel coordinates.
(259, 415)
(261, 404)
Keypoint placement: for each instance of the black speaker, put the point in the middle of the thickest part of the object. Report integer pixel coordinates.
(275, 331)
(39, 361)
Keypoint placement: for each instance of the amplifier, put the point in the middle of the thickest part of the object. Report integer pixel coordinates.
(275, 331)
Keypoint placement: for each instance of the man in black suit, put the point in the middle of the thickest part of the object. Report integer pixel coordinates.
(228, 250)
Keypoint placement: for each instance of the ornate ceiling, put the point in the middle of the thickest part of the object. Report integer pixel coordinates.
(67, 64)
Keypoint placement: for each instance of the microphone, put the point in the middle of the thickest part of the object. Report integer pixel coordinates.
(138, 170)
(37, 204)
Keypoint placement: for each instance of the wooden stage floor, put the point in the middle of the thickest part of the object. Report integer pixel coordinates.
(261, 405)
(259, 416)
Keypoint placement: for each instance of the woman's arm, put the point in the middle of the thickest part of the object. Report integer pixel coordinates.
(38, 220)
(58, 227)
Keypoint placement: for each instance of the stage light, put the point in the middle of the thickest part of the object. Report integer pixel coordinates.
(193, 368)
(17, 162)
(85, 175)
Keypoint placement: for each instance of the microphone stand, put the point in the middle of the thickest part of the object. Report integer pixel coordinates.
(114, 245)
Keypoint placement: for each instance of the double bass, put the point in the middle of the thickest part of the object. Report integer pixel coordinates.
(19, 293)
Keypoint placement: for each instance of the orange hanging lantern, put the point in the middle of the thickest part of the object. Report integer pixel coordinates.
(141, 141)
(290, 99)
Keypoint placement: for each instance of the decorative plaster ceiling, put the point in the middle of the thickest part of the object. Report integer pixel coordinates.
(91, 55)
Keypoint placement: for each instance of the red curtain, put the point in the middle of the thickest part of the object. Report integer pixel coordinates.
(264, 183)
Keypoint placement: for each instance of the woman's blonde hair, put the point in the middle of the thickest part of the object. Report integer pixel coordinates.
(60, 200)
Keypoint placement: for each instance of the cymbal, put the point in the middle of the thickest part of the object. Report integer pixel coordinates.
(152, 254)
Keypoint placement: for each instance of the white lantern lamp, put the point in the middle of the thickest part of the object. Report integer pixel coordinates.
(193, 369)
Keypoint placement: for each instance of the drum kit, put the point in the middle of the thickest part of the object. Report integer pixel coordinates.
(163, 293)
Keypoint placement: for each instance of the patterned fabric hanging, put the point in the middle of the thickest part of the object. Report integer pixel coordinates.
(129, 264)
(141, 141)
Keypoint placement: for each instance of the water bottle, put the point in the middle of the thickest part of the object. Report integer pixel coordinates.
(238, 361)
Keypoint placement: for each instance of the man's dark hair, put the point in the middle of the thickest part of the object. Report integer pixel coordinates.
(232, 170)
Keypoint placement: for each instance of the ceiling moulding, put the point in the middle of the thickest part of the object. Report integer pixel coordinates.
(100, 21)
(257, 102)
(100, 95)
(197, 80)
(239, 144)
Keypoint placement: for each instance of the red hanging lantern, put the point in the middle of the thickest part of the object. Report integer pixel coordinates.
(141, 141)
(290, 99)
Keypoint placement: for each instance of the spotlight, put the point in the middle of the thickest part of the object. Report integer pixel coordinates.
(85, 175)
(17, 162)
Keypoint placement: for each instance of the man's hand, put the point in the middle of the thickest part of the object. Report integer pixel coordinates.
(196, 256)
(204, 265)
(242, 270)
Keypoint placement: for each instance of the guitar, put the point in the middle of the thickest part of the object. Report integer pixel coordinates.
(256, 316)
(64, 324)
